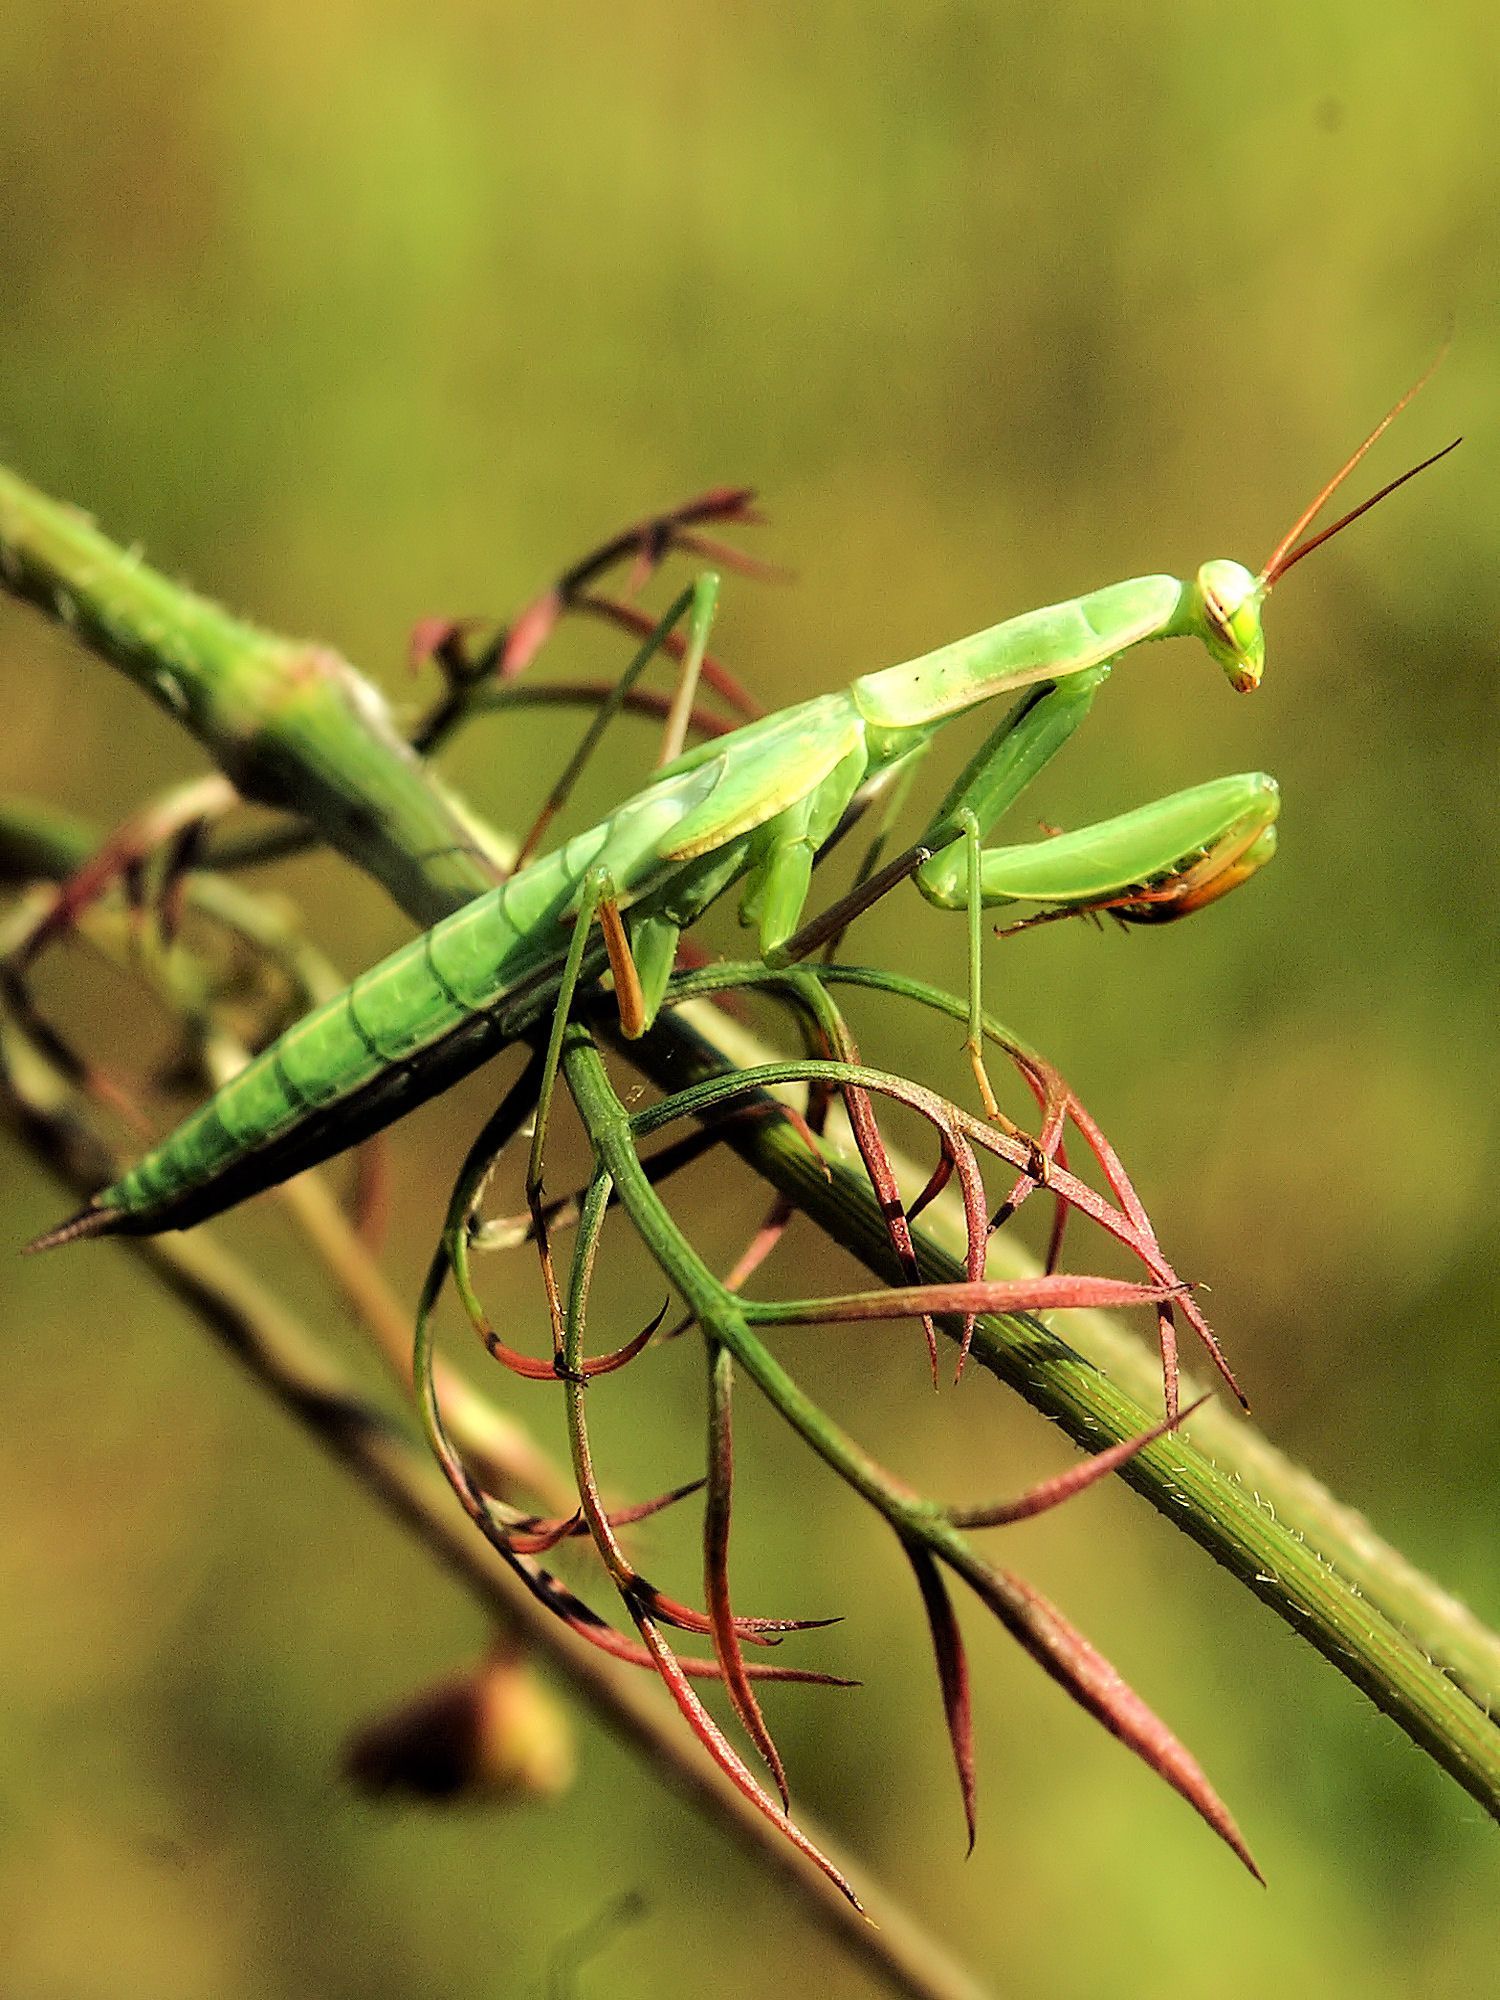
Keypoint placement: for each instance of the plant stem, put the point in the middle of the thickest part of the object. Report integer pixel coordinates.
(292, 724)
(295, 726)
(1256, 1515)
(1465, 1650)
(293, 1367)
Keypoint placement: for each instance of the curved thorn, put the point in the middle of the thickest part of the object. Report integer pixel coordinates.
(721, 1750)
(716, 1523)
(953, 1673)
(1048, 1493)
(1078, 1667)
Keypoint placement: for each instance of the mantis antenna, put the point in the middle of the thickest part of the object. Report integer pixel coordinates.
(1289, 550)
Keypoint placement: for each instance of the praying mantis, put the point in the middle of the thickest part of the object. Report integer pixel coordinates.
(758, 806)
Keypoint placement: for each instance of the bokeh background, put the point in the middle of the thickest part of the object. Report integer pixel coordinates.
(357, 312)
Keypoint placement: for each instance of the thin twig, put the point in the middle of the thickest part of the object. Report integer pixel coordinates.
(285, 1359)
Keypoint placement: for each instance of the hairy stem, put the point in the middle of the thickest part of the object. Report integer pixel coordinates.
(1275, 1530)
(292, 724)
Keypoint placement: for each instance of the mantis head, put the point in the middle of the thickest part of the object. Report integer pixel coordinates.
(1224, 602)
(1225, 613)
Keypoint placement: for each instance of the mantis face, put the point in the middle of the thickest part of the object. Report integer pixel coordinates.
(1226, 616)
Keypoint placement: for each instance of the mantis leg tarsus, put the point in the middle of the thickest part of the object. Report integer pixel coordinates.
(987, 1097)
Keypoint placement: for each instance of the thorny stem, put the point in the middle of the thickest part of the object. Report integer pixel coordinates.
(1460, 1648)
(292, 724)
(643, 1607)
(1257, 1515)
(291, 1365)
(917, 1521)
(50, 846)
(333, 756)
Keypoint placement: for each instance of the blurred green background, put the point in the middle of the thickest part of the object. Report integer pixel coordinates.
(357, 312)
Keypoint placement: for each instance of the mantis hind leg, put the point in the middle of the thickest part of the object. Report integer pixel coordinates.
(697, 604)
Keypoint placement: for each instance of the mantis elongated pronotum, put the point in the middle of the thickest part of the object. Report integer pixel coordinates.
(757, 804)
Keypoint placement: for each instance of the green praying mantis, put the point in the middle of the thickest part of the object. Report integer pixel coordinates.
(758, 806)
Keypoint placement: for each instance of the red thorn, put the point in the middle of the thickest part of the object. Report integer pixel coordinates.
(1049, 1493)
(953, 1673)
(1098, 1688)
(439, 641)
(527, 636)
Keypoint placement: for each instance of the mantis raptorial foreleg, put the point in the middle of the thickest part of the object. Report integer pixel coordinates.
(1216, 834)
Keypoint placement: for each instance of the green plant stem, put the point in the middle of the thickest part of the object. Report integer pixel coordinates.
(1460, 1646)
(1267, 1534)
(290, 723)
(286, 1360)
(235, 688)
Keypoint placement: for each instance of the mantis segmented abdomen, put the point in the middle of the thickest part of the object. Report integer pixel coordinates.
(399, 1034)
